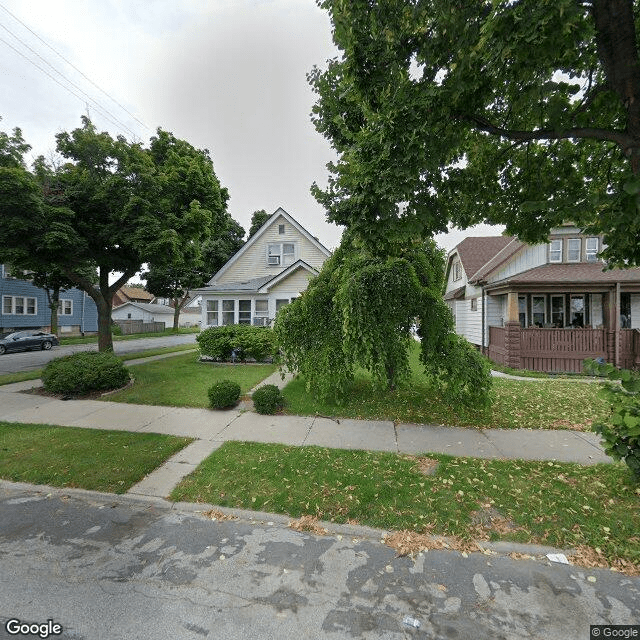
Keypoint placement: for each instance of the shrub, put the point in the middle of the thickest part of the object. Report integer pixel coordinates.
(243, 339)
(84, 372)
(224, 394)
(267, 399)
(116, 329)
(621, 433)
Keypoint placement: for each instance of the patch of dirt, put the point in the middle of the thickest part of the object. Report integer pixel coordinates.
(488, 520)
(308, 523)
(426, 466)
(215, 514)
(572, 426)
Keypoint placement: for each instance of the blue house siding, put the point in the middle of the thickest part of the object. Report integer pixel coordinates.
(83, 316)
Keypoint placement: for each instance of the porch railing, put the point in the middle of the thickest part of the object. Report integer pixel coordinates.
(561, 350)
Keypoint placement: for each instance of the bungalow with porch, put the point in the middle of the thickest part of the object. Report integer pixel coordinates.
(272, 268)
(544, 307)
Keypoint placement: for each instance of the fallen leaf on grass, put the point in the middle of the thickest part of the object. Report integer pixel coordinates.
(409, 542)
(588, 557)
(572, 426)
(308, 523)
(215, 514)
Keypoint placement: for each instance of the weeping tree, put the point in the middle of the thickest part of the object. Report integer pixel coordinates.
(362, 311)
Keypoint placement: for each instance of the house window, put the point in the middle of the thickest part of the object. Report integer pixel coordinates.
(281, 229)
(19, 305)
(474, 304)
(262, 308)
(522, 310)
(592, 249)
(281, 254)
(557, 311)
(538, 310)
(65, 307)
(457, 271)
(577, 311)
(555, 251)
(244, 311)
(281, 303)
(573, 249)
(228, 312)
(212, 313)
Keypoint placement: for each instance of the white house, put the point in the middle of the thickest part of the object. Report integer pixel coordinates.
(271, 269)
(154, 313)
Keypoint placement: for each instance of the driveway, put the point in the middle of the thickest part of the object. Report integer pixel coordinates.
(29, 360)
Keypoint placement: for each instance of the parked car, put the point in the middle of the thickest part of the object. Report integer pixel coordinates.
(26, 340)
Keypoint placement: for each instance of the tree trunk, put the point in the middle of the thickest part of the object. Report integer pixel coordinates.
(53, 295)
(176, 314)
(105, 338)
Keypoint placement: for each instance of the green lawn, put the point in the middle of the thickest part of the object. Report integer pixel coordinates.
(183, 381)
(559, 504)
(110, 461)
(134, 336)
(538, 404)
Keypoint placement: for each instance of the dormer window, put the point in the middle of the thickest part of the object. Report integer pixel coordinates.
(573, 249)
(281, 254)
(555, 251)
(592, 249)
(457, 271)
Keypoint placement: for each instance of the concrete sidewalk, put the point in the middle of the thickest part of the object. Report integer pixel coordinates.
(211, 429)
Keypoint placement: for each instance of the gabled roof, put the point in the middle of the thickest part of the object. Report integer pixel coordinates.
(135, 293)
(476, 252)
(257, 285)
(498, 260)
(251, 241)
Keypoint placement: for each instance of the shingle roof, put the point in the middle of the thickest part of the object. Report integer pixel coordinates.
(151, 308)
(476, 252)
(136, 293)
(248, 285)
(584, 272)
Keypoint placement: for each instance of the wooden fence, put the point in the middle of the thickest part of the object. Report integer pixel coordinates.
(129, 327)
(562, 350)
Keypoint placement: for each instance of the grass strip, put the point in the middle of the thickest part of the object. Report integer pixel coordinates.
(111, 461)
(133, 336)
(559, 504)
(183, 381)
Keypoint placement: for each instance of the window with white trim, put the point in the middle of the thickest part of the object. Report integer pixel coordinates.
(573, 249)
(244, 311)
(212, 313)
(538, 310)
(281, 254)
(474, 304)
(228, 312)
(591, 249)
(65, 307)
(19, 305)
(262, 309)
(281, 229)
(457, 271)
(555, 251)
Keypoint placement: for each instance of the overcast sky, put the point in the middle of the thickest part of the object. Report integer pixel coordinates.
(225, 75)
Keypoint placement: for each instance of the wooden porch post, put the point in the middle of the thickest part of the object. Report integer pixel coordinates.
(612, 314)
(616, 360)
(512, 332)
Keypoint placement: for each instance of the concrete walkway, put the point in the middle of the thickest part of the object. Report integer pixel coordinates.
(210, 429)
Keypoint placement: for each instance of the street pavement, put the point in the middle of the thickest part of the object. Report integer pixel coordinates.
(29, 360)
(138, 566)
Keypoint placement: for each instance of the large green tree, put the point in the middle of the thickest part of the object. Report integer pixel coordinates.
(187, 181)
(258, 218)
(523, 112)
(108, 216)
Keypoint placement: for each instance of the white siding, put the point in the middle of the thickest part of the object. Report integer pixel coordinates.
(296, 283)
(468, 321)
(527, 258)
(455, 284)
(253, 262)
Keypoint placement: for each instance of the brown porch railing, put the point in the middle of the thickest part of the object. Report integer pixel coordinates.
(563, 350)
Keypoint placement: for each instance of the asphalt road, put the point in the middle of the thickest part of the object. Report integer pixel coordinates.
(112, 567)
(28, 360)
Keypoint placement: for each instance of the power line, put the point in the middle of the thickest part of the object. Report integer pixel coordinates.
(73, 66)
(56, 80)
(114, 120)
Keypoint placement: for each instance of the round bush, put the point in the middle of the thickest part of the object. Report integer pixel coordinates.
(267, 399)
(83, 372)
(223, 394)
